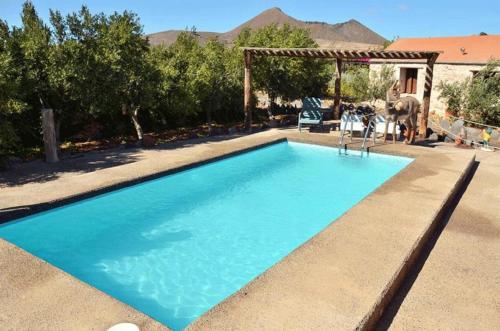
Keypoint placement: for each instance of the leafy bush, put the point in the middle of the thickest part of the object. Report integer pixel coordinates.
(354, 83)
(380, 82)
(455, 94)
(483, 101)
(477, 99)
(360, 85)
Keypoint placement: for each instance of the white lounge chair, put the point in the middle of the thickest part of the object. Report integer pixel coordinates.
(358, 126)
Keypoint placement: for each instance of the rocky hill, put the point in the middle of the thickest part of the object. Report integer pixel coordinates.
(350, 34)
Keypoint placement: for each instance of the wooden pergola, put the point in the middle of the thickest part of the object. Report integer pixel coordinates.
(340, 55)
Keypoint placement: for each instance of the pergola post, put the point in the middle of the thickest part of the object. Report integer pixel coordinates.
(338, 79)
(429, 72)
(248, 91)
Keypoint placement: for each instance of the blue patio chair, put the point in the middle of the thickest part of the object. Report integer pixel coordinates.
(311, 113)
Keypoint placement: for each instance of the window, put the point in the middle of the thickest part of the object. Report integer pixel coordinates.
(408, 78)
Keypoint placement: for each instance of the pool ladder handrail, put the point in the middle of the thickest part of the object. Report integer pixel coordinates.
(350, 119)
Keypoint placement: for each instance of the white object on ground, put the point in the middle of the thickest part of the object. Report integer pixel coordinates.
(124, 327)
(358, 124)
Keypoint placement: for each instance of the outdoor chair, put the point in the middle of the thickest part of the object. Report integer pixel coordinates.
(358, 126)
(311, 113)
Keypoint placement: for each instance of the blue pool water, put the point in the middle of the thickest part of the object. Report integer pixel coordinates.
(176, 246)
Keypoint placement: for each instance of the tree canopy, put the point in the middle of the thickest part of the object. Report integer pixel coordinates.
(99, 70)
(288, 78)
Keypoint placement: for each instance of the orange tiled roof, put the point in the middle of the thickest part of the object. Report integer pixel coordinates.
(476, 49)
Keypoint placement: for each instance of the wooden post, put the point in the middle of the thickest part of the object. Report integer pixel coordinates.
(429, 72)
(49, 136)
(248, 91)
(338, 78)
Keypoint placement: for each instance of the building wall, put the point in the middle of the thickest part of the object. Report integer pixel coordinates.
(442, 72)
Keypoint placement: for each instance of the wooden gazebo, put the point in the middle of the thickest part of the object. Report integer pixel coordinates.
(340, 55)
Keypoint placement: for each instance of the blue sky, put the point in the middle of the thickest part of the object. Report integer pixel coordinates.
(420, 18)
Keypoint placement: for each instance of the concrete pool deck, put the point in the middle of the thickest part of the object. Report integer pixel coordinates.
(456, 286)
(340, 279)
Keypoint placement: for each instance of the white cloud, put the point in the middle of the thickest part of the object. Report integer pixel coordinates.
(403, 7)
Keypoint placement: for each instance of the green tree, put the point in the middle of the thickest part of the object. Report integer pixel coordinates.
(178, 65)
(360, 84)
(210, 77)
(124, 54)
(197, 83)
(218, 81)
(30, 49)
(455, 95)
(34, 42)
(288, 78)
(477, 99)
(68, 69)
(11, 103)
(355, 83)
(380, 82)
(483, 101)
(231, 107)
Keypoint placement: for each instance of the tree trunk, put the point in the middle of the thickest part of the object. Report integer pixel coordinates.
(338, 82)
(49, 136)
(248, 92)
(135, 119)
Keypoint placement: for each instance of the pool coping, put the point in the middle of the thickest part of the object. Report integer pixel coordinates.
(212, 319)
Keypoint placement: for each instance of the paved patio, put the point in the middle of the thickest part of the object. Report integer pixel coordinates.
(341, 278)
(456, 286)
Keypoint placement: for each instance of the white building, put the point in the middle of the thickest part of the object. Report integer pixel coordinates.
(461, 58)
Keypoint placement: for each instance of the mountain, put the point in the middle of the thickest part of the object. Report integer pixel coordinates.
(350, 34)
(267, 17)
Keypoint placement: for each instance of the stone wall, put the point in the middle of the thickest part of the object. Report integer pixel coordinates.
(442, 72)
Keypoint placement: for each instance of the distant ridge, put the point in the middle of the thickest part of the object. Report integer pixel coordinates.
(350, 34)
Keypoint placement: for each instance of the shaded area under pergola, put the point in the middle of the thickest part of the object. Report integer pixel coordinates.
(340, 55)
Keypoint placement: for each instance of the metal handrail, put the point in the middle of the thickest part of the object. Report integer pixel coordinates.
(350, 119)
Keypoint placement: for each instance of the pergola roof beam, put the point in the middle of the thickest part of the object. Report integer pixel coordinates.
(339, 53)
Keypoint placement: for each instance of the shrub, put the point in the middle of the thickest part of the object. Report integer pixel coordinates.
(360, 85)
(455, 95)
(483, 100)
(477, 99)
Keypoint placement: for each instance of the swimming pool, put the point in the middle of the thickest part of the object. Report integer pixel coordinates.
(176, 246)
